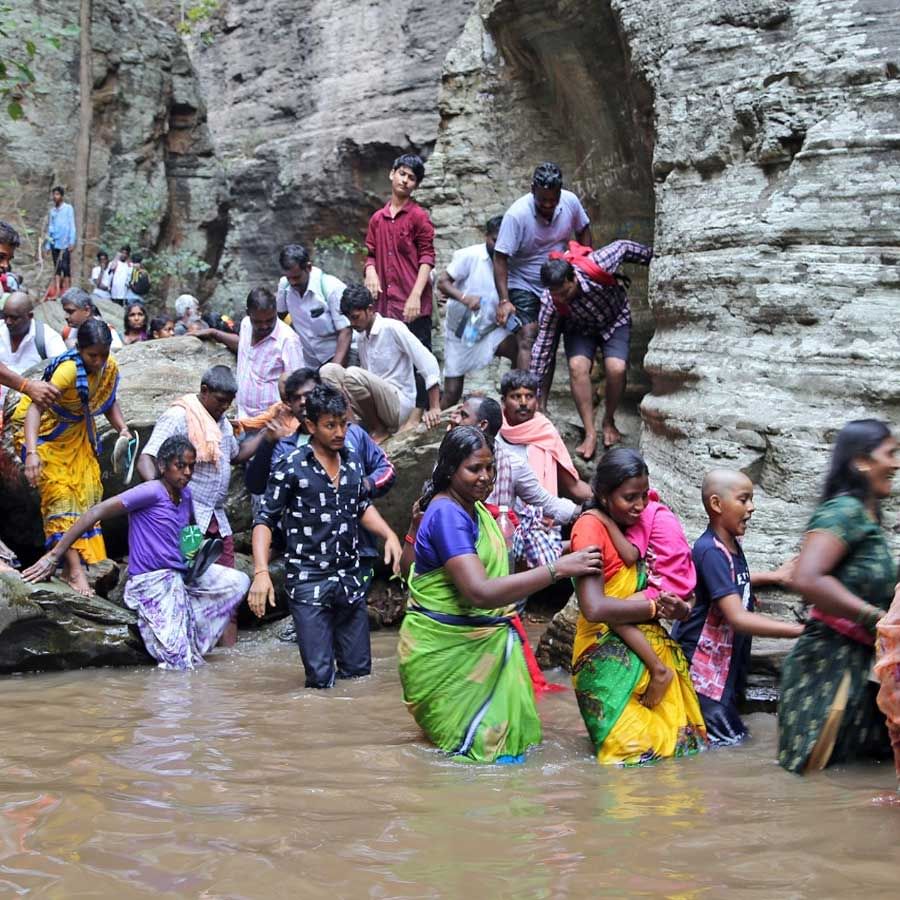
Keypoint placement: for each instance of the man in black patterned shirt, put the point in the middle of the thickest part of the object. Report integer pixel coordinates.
(318, 488)
(584, 299)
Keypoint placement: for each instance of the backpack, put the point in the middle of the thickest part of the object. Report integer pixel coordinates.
(140, 282)
(40, 339)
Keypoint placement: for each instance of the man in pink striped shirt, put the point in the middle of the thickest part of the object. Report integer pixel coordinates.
(265, 348)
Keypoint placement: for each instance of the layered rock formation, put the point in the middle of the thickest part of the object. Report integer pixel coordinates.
(149, 140)
(309, 103)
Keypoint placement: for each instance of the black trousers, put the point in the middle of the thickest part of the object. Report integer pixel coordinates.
(332, 632)
(421, 328)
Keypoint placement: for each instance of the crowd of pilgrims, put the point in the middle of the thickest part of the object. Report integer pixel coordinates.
(326, 371)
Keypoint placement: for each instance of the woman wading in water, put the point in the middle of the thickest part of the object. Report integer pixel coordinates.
(179, 622)
(610, 680)
(60, 445)
(462, 667)
(828, 712)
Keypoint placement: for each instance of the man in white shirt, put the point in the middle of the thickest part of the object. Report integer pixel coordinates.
(23, 342)
(471, 336)
(313, 300)
(119, 275)
(382, 390)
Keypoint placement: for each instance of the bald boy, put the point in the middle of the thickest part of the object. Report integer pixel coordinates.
(716, 636)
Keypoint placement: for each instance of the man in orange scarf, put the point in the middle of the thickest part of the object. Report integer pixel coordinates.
(526, 431)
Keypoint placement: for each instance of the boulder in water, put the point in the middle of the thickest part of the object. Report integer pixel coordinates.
(48, 627)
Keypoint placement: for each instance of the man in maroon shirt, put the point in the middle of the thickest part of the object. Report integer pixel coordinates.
(400, 245)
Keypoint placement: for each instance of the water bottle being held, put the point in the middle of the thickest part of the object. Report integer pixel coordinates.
(470, 333)
(508, 530)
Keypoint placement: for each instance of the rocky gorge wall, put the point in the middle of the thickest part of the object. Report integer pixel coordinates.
(754, 143)
(149, 142)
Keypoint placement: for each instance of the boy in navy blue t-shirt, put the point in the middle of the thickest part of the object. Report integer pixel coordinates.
(716, 636)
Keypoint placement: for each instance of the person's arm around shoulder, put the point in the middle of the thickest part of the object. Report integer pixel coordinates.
(42, 393)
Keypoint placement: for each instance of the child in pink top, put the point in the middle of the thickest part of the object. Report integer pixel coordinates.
(658, 538)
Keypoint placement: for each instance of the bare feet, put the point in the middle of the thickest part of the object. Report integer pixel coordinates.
(656, 690)
(77, 580)
(588, 447)
(611, 434)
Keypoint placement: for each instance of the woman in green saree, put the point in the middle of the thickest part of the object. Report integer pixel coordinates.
(461, 662)
(828, 712)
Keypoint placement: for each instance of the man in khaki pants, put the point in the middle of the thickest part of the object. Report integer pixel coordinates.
(382, 390)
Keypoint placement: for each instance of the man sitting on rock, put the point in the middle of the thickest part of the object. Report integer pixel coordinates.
(313, 300)
(382, 389)
(378, 473)
(201, 418)
(585, 299)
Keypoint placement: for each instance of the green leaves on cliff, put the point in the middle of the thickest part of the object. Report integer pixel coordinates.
(195, 16)
(26, 42)
(138, 225)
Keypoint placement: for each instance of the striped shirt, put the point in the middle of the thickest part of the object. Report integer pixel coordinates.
(260, 365)
(598, 309)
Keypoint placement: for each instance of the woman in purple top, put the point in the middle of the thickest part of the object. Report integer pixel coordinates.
(178, 622)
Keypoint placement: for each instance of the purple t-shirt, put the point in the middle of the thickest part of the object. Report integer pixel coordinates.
(446, 530)
(154, 527)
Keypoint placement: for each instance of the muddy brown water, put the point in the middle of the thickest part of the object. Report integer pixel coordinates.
(233, 781)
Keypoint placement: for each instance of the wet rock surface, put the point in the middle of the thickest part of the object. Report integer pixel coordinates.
(49, 627)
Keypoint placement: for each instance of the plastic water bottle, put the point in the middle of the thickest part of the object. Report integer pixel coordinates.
(470, 334)
(507, 529)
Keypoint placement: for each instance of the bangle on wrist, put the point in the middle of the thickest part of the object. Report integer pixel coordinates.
(554, 575)
(23, 385)
(409, 539)
(260, 572)
(652, 603)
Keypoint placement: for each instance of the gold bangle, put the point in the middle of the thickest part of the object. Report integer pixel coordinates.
(652, 607)
(23, 385)
(260, 572)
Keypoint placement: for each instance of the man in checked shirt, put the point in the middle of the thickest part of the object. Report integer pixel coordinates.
(591, 314)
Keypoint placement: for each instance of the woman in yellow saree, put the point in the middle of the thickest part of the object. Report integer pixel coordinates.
(609, 678)
(60, 446)
(462, 668)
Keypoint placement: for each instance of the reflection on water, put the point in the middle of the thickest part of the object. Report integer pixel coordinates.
(233, 781)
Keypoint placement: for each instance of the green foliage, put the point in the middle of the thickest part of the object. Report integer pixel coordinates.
(137, 225)
(195, 16)
(340, 243)
(25, 40)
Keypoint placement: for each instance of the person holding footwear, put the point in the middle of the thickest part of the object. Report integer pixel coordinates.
(180, 618)
(201, 418)
(60, 446)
